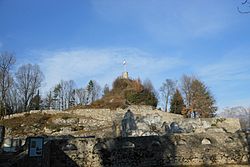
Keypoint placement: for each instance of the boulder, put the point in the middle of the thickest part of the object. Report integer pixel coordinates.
(231, 125)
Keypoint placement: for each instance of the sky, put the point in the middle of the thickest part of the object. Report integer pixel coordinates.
(159, 39)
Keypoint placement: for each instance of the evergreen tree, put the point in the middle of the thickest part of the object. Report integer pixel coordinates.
(57, 97)
(93, 90)
(203, 103)
(90, 89)
(177, 103)
(35, 102)
(49, 101)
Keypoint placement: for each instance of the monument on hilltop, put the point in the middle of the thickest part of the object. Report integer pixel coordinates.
(125, 73)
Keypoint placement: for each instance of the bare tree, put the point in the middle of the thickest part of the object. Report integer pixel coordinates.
(14, 103)
(186, 86)
(198, 98)
(147, 84)
(167, 89)
(29, 78)
(64, 95)
(7, 60)
(82, 96)
(96, 91)
(106, 89)
(244, 7)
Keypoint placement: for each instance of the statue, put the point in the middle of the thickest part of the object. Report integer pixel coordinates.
(174, 128)
(128, 123)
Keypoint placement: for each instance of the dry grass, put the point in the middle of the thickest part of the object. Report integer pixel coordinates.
(34, 124)
(27, 120)
(26, 124)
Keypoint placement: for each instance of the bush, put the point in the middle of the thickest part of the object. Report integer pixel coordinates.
(120, 84)
(144, 98)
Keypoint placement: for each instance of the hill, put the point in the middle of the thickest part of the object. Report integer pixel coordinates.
(124, 92)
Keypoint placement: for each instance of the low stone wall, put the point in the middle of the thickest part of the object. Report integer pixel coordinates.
(33, 112)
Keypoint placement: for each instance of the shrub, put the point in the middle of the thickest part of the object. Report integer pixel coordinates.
(144, 98)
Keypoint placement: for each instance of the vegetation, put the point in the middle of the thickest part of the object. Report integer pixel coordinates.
(167, 89)
(35, 102)
(124, 92)
(7, 60)
(144, 97)
(194, 100)
(177, 103)
(24, 124)
(198, 99)
(28, 81)
(19, 92)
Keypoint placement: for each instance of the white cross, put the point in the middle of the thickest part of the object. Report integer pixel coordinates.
(125, 65)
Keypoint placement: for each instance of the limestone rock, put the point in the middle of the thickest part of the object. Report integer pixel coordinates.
(230, 124)
(65, 121)
(216, 130)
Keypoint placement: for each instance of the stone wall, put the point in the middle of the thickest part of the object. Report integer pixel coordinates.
(175, 149)
(212, 141)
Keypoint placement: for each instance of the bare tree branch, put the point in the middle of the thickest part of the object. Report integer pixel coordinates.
(244, 4)
(29, 78)
(7, 60)
(243, 12)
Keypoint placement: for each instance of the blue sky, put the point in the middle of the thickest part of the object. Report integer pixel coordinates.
(160, 39)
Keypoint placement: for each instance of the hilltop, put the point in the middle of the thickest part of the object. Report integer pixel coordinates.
(124, 92)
